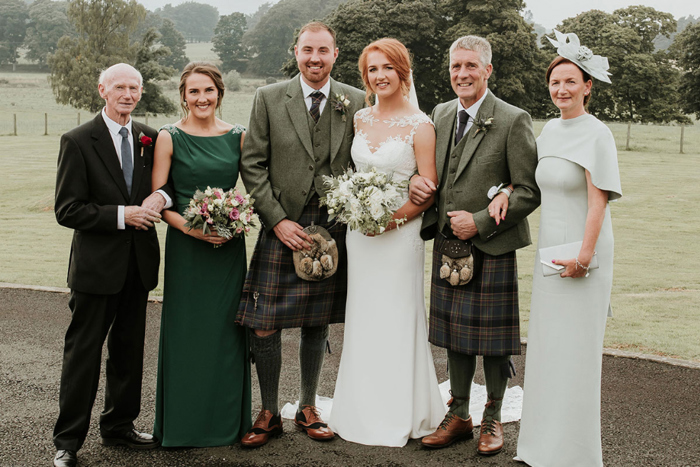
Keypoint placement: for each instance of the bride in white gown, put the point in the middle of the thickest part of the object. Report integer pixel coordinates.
(387, 390)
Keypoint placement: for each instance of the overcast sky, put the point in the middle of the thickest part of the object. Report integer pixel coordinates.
(546, 12)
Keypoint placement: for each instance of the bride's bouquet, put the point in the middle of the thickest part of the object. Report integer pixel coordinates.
(365, 201)
(229, 212)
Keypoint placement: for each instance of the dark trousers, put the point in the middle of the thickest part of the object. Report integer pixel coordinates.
(121, 319)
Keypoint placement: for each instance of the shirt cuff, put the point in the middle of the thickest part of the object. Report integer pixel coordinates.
(120, 218)
(168, 201)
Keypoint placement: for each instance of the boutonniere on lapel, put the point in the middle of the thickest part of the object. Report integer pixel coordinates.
(483, 125)
(145, 142)
(341, 104)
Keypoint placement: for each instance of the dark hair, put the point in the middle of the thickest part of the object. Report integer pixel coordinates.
(202, 68)
(315, 26)
(398, 56)
(586, 77)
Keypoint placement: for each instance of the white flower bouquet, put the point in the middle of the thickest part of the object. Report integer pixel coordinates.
(365, 201)
(229, 212)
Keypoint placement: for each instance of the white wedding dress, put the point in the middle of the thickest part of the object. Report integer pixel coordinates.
(387, 390)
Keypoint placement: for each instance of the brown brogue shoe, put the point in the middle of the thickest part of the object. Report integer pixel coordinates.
(309, 420)
(453, 428)
(265, 427)
(490, 438)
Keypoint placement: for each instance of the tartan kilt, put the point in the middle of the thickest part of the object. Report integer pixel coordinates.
(274, 297)
(482, 316)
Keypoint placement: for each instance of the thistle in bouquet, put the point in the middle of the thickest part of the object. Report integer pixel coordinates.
(229, 213)
(365, 201)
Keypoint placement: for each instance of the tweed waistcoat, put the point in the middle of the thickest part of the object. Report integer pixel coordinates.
(321, 141)
(446, 195)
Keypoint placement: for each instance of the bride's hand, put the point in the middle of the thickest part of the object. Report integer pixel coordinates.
(498, 207)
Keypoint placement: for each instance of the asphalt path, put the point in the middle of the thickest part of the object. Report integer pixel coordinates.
(650, 410)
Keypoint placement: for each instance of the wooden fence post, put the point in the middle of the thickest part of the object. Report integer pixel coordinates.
(629, 131)
(15, 119)
(682, 134)
(146, 118)
(78, 119)
(46, 124)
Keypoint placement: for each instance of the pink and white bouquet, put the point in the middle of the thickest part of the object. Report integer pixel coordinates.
(228, 212)
(365, 201)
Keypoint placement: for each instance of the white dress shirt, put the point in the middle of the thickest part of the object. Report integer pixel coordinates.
(471, 111)
(114, 128)
(307, 90)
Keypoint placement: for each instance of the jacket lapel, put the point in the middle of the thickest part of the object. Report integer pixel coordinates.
(474, 138)
(338, 126)
(104, 147)
(138, 159)
(444, 125)
(296, 108)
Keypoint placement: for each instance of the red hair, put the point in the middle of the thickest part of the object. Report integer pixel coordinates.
(398, 56)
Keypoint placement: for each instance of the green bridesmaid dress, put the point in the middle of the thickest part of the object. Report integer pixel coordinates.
(203, 395)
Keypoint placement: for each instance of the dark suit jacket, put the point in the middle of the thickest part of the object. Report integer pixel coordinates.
(89, 187)
(277, 151)
(506, 153)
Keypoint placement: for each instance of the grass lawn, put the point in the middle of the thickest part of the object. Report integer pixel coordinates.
(656, 290)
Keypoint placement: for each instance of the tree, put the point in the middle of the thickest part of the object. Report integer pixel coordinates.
(148, 62)
(48, 22)
(196, 21)
(270, 39)
(103, 28)
(13, 27)
(253, 19)
(171, 38)
(228, 43)
(686, 48)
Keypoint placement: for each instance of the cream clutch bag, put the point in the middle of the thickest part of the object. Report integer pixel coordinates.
(565, 251)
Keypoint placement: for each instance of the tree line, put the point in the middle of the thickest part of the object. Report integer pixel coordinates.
(655, 64)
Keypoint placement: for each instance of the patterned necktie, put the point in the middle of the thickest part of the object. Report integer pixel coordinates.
(463, 119)
(127, 162)
(316, 98)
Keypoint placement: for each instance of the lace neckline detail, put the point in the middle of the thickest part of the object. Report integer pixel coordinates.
(413, 121)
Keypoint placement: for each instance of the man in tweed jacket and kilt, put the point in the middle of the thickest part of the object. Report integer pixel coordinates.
(482, 142)
(299, 131)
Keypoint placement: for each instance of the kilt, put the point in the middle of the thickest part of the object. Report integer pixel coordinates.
(274, 297)
(482, 316)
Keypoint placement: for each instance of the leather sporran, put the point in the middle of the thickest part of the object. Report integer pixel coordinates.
(457, 260)
(321, 262)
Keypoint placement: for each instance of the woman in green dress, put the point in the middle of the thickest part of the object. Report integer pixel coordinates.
(203, 393)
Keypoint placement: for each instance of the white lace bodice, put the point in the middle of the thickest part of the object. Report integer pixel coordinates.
(386, 144)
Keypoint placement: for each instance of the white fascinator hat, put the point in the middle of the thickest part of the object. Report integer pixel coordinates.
(569, 47)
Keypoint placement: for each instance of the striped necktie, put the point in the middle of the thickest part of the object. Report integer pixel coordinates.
(127, 162)
(316, 98)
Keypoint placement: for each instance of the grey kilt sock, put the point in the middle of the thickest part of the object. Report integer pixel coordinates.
(267, 352)
(496, 373)
(461, 371)
(311, 353)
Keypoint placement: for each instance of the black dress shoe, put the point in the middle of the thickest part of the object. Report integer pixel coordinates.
(132, 439)
(65, 458)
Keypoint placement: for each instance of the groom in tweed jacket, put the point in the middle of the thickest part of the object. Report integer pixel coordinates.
(299, 131)
(482, 142)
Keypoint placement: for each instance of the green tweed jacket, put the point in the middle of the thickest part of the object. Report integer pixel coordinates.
(506, 153)
(277, 164)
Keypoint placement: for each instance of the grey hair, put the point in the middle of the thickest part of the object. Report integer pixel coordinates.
(109, 73)
(475, 43)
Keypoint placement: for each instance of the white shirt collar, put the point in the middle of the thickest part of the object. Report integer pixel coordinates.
(307, 90)
(474, 108)
(113, 126)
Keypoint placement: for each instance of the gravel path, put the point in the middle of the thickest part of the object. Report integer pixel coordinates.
(650, 409)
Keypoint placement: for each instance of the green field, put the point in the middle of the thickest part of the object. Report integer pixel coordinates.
(656, 291)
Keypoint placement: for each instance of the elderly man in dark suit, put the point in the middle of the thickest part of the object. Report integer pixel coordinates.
(483, 145)
(103, 193)
(299, 131)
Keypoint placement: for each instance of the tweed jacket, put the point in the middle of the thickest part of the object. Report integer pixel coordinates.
(278, 164)
(89, 187)
(505, 153)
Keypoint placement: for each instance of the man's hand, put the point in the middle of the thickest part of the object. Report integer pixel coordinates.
(420, 189)
(155, 202)
(462, 223)
(140, 217)
(292, 235)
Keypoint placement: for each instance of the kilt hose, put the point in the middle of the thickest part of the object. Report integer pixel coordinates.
(274, 297)
(480, 317)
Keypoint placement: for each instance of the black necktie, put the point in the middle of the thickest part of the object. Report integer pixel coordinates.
(316, 98)
(127, 163)
(463, 119)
